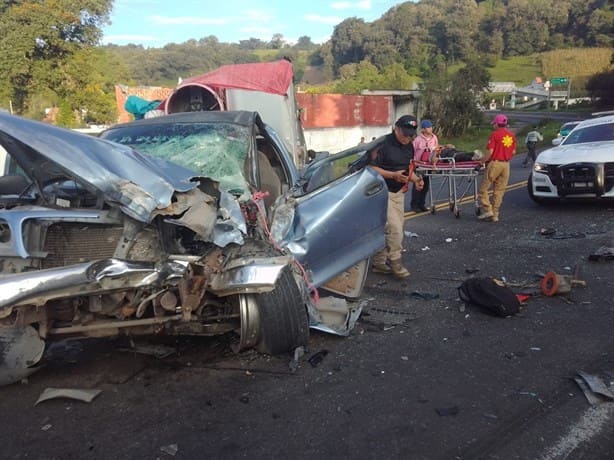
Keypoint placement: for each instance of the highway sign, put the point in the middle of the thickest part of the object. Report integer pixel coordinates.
(559, 80)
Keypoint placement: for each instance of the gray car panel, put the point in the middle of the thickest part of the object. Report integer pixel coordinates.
(140, 184)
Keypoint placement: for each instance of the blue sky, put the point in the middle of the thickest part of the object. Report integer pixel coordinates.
(154, 23)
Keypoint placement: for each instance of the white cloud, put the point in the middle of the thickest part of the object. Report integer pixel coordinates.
(341, 5)
(258, 15)
(187, 20)
(361, 5)
(332, 20)
(364, 5)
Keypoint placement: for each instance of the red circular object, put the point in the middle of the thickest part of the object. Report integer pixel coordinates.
(550, 284)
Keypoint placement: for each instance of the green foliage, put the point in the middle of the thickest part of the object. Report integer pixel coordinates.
(66, 115)
(520, 69)
(36, 39)
(365, 76)
(601, 87)
(348, 42)
(451, 101)
(575, 62)
(50, 54)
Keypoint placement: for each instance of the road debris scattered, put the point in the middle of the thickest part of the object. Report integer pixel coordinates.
(594, 388)
(447, 411)
(86, 395)
(171, 449)
(553, 283)
(317, 358)
(602, 254)
(299, 352)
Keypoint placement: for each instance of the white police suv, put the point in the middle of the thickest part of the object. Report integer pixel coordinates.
(581, 166)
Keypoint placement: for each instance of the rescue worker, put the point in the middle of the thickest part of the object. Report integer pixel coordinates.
(501, 148)
(391, 159)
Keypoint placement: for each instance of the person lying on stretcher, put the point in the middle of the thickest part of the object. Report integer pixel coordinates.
(448, 152)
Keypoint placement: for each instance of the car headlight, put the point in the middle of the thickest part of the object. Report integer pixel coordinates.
(540, 168)
(282, 221)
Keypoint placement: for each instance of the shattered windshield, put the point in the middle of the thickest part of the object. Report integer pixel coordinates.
(214, 150)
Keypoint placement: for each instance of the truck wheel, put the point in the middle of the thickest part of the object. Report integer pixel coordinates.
(274, 322)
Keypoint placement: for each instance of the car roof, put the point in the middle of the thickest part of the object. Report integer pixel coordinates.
(240, 117)
(596, 121)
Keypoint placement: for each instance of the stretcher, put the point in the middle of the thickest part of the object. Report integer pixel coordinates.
(459, 178)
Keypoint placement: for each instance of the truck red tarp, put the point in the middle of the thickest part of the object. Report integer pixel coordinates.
(269, 77)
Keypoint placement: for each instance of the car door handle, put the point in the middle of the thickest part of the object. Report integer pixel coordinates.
(374, 189)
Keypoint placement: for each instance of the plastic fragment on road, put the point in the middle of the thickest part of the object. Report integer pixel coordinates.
(447, 411)
(594, 388)
(171, 449)
(158, 351)
(602, 254)
(87, 395)
(424, 295)
(317, 358)
(299, 352)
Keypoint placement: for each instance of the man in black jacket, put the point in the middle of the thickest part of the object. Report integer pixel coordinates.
(391, 159)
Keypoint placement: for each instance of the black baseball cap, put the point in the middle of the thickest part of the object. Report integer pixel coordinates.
(408, 125)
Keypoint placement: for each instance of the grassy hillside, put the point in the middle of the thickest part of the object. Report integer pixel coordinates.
(522, 70)
(575, 62)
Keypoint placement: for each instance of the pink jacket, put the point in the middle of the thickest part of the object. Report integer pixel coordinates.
(425, 147)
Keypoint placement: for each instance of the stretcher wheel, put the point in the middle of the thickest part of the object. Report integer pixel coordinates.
(451, 207)
(457, 213)
(478, 211)
(433, 209)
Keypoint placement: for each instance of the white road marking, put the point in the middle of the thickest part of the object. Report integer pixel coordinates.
(590, 424)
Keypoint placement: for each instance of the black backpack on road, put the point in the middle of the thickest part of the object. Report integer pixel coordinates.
(490, 296)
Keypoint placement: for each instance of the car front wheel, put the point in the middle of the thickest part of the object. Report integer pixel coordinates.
(274, 322)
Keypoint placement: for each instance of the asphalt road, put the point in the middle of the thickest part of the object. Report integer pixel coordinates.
(418, 378)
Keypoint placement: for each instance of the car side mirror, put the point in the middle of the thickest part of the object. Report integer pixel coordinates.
(557, 141)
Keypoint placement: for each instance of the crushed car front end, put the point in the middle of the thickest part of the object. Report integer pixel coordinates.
(97, 239)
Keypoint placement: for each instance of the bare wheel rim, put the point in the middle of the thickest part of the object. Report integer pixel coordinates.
(249, 334)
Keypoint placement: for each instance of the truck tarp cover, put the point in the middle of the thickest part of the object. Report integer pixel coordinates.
(269, 77)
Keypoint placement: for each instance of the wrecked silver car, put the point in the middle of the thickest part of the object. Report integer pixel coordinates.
(195, 223)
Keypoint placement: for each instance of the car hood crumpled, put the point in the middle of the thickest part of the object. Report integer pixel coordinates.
(139, 184)
(590, 152)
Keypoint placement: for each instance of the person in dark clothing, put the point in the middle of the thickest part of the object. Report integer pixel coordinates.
(391, 159)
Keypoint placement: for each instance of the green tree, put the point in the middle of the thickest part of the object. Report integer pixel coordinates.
(601, 88)
(277, 41)
(452, 101)
(37, 36)
(455, 31)
(252, 44)
(66, 117)
(91, 89)
(347, 42)
(304, 43)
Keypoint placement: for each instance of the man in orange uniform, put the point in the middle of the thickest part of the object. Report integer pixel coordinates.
(501, 148)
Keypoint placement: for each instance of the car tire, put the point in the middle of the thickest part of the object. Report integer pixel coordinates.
(277, 322)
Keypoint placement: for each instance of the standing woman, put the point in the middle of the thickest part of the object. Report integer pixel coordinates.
(426, 144)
